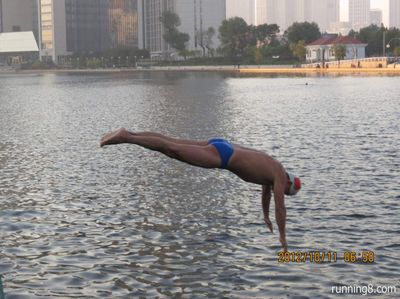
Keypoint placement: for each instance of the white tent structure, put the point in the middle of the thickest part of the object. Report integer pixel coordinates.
(18, 47)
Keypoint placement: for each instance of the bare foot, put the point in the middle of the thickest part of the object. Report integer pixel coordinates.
(116, 137)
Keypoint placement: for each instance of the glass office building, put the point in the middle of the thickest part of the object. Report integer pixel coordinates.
(76, 26)
(96, 25)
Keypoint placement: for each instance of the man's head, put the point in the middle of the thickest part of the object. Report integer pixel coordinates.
(293, 184)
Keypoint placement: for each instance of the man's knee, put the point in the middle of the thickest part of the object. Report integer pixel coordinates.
(172, 150)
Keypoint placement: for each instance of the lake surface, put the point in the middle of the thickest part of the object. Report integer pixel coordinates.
(78, 221)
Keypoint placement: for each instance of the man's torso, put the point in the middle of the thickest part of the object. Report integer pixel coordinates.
(254, 166)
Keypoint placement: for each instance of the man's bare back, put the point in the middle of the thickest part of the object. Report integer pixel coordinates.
(255, 166)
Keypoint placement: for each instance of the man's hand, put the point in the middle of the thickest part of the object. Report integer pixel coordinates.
(284, 243)
(268, 223)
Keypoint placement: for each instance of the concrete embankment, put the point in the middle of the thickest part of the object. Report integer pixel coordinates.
(227, 69)
(317, 71)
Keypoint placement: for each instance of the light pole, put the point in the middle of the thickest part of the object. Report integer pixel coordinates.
(384, 42)
(394, 38)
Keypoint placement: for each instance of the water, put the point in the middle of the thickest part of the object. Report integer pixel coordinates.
(77, 221)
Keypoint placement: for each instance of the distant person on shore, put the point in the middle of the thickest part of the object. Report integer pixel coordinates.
(250, 165)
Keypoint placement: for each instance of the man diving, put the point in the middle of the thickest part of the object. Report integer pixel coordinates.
(250, 165)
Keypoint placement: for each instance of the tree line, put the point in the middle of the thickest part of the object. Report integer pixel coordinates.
(262, 44)
(241, 43)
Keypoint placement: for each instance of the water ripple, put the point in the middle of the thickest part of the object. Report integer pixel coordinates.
(77, 221)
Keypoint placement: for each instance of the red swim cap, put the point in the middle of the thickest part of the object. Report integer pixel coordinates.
(295, 183)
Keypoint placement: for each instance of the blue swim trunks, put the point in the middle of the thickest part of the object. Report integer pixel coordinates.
(224, 148)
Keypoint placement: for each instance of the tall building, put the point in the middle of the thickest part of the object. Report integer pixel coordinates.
(254, 12)
(152, 27)
(93, 25)
(359, 13)
(394, 13)
(325, 13)
(52, 30)
(196, 17)
(261, 12)
(375, 17)
(286, 12)
(245, 9)
(74, 26)
(276, 13)
(18, 15)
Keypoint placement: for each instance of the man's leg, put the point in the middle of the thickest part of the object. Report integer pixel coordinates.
(198, 155)
(174, 140)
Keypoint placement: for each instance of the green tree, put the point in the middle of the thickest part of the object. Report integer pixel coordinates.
(275, 50)
(170, 20)
(299, 50)
(352, 33)
(258, 55)
(209, 40)
(233, 34)
(205, 39)
(172, 36)
(305, 31)
(266, 33)
(396, 52)
(177, 40)
(373, 37)
(393, 39)
(340, 52)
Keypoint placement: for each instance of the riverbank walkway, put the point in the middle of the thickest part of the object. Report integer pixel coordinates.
(246, 69)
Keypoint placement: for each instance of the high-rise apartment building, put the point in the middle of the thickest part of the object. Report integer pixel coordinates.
(152, 27)
(325, 13)
(276, 13)
(394, 13)
(245, 9)
(75, 26)
(359, 13)
(261, 12)
(375, 17)
(286, 12)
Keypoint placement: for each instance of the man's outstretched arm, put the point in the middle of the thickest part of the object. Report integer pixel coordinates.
(266, 200)
(280, 212)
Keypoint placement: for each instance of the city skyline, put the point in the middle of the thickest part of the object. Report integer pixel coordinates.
(64, 27)
(375, 4)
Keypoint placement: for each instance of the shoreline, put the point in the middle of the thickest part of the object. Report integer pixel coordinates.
(247, 70)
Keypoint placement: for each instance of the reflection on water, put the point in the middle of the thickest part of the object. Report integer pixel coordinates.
(80, 221)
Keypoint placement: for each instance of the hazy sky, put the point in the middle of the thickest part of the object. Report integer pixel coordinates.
(382, 4)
